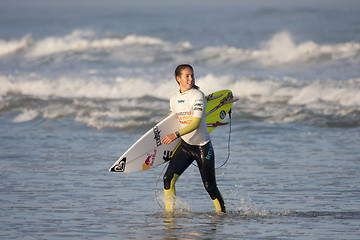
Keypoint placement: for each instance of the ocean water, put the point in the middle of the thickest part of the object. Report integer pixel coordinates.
(80, 82)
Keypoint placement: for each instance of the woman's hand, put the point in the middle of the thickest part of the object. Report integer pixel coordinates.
(169, 139)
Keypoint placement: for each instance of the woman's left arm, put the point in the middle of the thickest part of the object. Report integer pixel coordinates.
(194, 124)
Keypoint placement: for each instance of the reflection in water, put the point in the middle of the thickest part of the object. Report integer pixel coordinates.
(185, 225)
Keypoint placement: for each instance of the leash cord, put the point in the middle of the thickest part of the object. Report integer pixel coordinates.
(156, 185)
(228, 147)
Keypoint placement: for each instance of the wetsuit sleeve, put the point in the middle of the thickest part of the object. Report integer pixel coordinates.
(194, 124)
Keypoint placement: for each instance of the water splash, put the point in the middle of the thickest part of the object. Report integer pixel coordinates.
(239, 202)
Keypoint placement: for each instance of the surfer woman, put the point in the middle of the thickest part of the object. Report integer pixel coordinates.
(189, 105)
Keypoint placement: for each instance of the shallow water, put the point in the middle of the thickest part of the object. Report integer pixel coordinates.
(280, 182)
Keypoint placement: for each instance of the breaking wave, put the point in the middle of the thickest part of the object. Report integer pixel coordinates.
(279, 49)
(271, 90)
(98, 79)
(120, 102)
(79, 41)
(13, 46)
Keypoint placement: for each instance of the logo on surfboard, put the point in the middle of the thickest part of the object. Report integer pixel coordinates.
(167, 155)
(120, 167)
(222, 114)
(157, 135)
(149, 162)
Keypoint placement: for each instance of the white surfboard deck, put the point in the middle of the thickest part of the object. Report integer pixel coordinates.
(149, 152)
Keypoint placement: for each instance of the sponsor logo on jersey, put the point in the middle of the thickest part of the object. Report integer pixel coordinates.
(198, 106)
(184, 117)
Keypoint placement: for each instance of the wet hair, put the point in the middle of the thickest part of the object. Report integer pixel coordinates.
(179, 69)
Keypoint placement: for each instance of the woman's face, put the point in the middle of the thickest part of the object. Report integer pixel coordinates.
(186, 80)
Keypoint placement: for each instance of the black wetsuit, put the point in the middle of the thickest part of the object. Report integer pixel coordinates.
(204, 156)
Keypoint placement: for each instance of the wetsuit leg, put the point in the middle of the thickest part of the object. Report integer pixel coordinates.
(178, 164)
(206, 164)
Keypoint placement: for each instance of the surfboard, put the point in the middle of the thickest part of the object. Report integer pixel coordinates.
(149, 152)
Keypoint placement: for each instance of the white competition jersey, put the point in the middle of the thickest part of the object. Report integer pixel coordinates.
(187, 105)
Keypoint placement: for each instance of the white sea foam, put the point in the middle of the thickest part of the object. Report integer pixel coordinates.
(80, 40)
(123, 101)
(280, 49)
(101, 124)
(344, 93)
(286, 90)
(26, 115)
(12, 46)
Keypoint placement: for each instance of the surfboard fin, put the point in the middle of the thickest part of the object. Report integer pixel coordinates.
(231, 100)
(216, 124)
(212, 97)
(227, 101)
